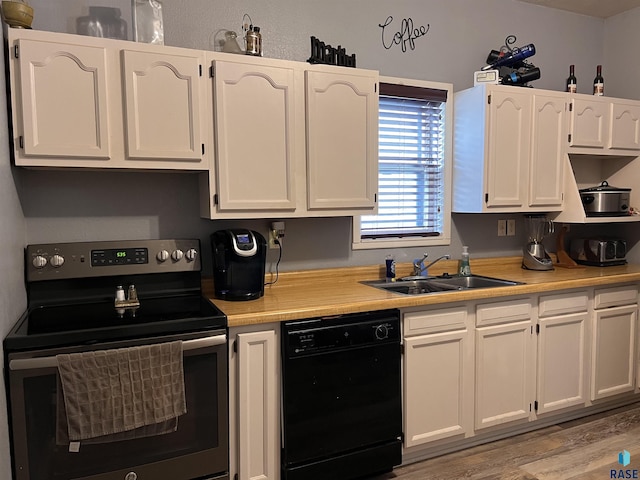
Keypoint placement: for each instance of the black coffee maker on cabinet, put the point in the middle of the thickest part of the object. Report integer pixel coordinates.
(239, 258)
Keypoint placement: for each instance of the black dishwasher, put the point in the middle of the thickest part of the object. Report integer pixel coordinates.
(341, 391)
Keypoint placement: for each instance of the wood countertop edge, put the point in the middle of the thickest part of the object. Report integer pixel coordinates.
(318, 293)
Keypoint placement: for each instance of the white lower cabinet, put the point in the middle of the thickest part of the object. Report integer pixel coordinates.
(505, 362)
(438, 383)
(561, 359)
(613, 355)
(254, 406)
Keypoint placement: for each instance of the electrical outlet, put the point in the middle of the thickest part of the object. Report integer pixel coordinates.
(511, 227)
(276, 232)
(502, 228)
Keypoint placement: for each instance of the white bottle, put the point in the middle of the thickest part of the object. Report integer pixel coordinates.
(464, 268)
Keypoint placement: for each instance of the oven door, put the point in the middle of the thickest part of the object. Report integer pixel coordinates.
(197, 449)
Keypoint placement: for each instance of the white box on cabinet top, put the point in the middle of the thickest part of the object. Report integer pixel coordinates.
(80, 101)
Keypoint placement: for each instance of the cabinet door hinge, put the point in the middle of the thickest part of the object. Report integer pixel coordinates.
(215, 199)
(16, 51)
(21, 141)
(402, 349)
(489, 99)
(234, 346)
(211, 71)
(200, 69)
(203, 149)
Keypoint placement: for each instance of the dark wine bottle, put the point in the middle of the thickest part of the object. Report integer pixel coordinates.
(572, 82)
(517, 78)
(513, 57)
(598, 82)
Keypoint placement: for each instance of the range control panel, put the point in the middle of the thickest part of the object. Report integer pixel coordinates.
(53, 261)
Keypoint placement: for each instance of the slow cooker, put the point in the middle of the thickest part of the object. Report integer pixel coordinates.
(605, 200)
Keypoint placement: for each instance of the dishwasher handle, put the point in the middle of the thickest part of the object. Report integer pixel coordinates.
(52, 361)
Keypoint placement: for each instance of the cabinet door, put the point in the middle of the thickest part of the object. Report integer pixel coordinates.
(546, 170)
(255, 134)
(162, 106)
(504, 373)
(258, 406)
(613, 360)
(508, 148)
(342, 140)
(64, 101)
(561, 362)
(625, 126)
(436, 372)
(588, 123)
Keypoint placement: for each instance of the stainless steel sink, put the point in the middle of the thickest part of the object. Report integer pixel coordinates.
(427, 285)
(474, 281)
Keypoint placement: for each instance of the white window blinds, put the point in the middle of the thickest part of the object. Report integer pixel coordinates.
(411, 164)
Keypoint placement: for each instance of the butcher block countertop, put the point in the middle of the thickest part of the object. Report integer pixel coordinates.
(314, 293)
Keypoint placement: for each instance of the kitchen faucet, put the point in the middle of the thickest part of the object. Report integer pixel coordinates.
(418, 265)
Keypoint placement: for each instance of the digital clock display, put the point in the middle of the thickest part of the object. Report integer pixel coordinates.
(119, 256)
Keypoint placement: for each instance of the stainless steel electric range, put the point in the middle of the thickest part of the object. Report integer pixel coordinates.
(103, 298)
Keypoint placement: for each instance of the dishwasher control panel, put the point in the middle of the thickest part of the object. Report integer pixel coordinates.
(342, 332)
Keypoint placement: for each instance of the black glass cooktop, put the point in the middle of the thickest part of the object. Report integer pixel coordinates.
(86, 323)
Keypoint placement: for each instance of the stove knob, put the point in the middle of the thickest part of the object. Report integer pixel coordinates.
(162, 256)
(57, 261)
(39, 261)
(177, 255)
(191, 254)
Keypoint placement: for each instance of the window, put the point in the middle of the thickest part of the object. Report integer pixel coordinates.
(414, 167)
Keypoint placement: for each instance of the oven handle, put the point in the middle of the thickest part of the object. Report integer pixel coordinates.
(48, 362)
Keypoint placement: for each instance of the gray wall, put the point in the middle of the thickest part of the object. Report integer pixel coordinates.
(12, 239)
(46, 206)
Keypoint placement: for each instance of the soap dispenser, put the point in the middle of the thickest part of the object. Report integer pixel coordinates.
(464, 268)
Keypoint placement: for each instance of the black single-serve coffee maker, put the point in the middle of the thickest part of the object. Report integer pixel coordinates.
(239, 258)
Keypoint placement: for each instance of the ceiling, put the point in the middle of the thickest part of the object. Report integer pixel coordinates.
(593, 8)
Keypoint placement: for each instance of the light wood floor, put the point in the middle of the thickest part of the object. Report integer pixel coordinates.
(584, 449)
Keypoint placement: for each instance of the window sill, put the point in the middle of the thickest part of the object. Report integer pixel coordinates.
(381, 243)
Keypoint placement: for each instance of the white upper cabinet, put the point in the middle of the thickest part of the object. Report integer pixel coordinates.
(64, 108)
(508, 154)
(342, 138)
(589, 118)
(256, 134)
(603, 126)
(546, 167)
(624, 132)
(268, 163)
(163, 101)
(508, 141)
(80, 101)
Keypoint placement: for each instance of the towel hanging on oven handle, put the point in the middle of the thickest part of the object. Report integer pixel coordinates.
(48, 362)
